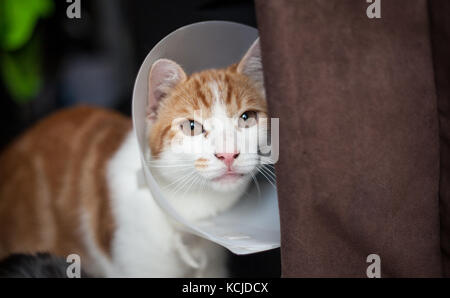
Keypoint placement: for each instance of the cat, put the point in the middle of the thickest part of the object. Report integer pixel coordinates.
(69, 186)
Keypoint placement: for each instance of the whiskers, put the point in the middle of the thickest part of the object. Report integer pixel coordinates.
(264, 166)
(267, 173)
(173, 164)
(180, 177)
(256, 184)
(183, 176)
(267, 170)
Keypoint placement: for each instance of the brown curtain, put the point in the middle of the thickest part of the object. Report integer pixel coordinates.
(364, 134)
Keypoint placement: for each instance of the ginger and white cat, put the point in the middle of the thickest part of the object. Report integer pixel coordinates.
(69, 186)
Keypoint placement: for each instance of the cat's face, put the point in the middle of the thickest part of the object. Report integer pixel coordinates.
(205, 128)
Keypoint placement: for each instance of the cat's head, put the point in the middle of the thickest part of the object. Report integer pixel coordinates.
(205, 128)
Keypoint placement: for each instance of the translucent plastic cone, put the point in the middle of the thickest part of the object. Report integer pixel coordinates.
(252, 225)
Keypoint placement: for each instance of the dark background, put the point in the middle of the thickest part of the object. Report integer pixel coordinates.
(94, 60)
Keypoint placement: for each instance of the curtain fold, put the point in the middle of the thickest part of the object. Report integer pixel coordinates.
(440, 36)
(359, 163)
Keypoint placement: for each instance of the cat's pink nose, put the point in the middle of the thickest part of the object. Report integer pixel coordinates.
(227, 158)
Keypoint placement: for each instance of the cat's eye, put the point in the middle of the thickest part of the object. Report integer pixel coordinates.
(191, 128)
(247, 119)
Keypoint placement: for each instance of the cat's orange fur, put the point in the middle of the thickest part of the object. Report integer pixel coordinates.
(194, 94)
(53, 172)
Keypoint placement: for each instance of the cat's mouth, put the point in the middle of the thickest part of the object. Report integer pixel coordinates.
(229, 177)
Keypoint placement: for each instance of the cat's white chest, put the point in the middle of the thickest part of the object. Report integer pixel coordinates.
(146, 243)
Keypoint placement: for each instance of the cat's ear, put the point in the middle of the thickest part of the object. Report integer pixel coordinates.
(164, 75)
(251, 64)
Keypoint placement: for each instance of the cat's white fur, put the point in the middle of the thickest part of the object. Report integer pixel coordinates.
(146, 243)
